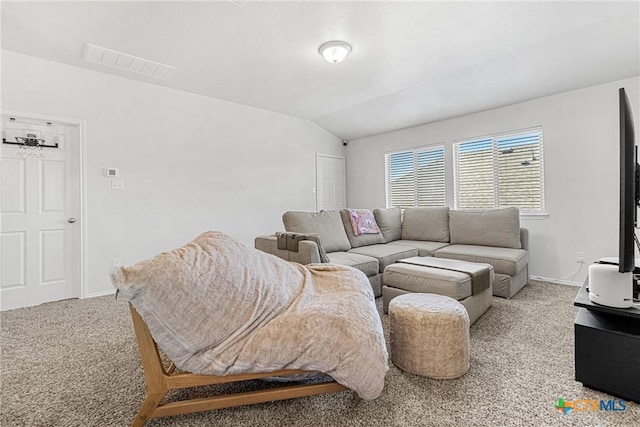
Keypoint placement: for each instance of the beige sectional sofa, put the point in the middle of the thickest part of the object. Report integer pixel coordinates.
(487, 236)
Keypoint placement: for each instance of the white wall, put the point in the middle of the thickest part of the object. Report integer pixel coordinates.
(190, 163)
(581, 169)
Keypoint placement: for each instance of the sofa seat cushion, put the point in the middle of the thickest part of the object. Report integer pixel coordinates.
(504, 260)
(424, 248)
(368, 265)
(386, 254)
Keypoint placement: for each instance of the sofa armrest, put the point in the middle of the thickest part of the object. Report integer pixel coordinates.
(524, 239)
(307, 250)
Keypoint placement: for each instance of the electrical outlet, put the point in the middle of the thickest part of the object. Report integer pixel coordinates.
(116, 262)
(117, 184)
(580, 257)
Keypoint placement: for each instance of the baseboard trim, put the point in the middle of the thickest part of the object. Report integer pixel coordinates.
(100, 294)
(556, 281)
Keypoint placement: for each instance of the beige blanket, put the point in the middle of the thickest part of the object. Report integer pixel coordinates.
(216, 306)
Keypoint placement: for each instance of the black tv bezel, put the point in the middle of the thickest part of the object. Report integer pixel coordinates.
(628, 186)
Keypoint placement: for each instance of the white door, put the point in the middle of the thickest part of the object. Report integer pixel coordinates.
(331, 184)
(40, 208)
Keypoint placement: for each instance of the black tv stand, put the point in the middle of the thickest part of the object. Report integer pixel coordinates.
(607, 347)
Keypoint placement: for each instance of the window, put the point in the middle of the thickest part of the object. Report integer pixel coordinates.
(415, 178)
(500, 171)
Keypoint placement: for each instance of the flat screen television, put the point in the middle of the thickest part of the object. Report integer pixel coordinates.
(629, 187)
(610, 284)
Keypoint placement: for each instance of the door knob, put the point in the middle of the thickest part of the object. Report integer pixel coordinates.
(71, 220)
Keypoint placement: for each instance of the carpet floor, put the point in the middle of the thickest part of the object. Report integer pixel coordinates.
(75, 363)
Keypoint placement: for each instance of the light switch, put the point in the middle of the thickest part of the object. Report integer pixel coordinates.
(117, 184)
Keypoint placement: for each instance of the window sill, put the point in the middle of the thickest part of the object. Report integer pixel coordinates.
(534, 215)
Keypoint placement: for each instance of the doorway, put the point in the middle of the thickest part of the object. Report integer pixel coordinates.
(331, 187)
(41, 228)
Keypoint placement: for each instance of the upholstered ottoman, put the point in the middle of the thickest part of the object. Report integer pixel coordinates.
(429, 335)
(403, 278)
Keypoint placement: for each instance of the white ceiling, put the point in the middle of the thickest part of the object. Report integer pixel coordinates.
(411, 63)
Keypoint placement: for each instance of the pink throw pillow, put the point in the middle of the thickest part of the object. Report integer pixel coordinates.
(363, 222)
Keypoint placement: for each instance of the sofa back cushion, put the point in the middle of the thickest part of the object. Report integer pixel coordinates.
(428, 224)
(364, 239)
(327, 224)
(492, 227)
(390, 223)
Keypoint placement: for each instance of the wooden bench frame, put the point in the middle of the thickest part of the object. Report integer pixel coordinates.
(160, 381)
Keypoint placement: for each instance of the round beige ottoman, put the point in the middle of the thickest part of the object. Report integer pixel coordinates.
(429, 335)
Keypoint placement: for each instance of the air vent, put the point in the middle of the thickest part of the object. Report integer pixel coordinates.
(123, 61)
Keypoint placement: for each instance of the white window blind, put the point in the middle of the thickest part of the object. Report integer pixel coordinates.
(415, 178)
(500, 171)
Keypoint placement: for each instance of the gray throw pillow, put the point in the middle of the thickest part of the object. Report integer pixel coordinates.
(390, 223)
(426, 224)
(491, 227)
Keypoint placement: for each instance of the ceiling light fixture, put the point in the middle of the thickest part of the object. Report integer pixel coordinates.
(335, 51)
